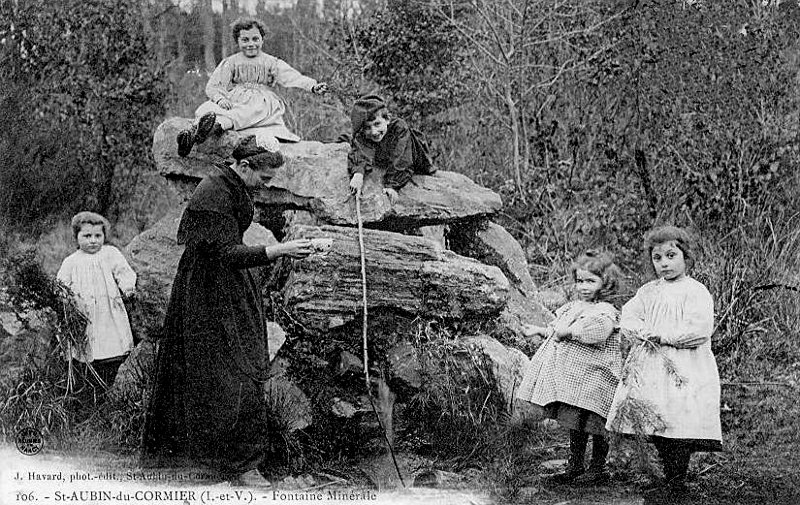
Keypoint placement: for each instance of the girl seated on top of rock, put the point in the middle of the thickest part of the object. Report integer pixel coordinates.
(380, 140)
(240, 94)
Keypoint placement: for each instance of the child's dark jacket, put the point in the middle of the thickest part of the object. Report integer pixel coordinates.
(402, 152)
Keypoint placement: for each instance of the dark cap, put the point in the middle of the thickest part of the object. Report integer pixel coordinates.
(247, 147)
(257, 154)
(363, 108)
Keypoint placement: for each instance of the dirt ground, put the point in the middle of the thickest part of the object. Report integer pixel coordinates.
(52, 477)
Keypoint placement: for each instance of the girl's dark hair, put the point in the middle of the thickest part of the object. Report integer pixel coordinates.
(246, 24)
(86, 217)
(602, 265)
(685, 241)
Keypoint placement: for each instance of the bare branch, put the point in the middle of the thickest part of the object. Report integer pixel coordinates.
(313, 42)
(571, 33)
(506, 54)
(459, 27)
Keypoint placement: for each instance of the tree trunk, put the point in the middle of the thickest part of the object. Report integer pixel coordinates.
(105, 181)
(524, 138)
(162, 39)
(226, 30)
(513, 115)
(208, 35)
(181, 38)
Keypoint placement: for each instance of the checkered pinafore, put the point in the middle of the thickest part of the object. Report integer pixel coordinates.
(582, 371)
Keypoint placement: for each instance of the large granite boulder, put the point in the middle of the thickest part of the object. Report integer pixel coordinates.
(433, 258)
(410, 274)
(314, 177)
(290, 407)
(508, 364)
(154, 256)
(197, 164)
(136, 372)
(492, 244)
(522, 310)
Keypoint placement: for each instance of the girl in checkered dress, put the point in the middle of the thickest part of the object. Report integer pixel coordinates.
(670, 388)
(573, 375)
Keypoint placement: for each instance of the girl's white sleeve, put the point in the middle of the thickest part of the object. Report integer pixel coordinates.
(288, 77)
(123, 273)
(631, 322)
(65, 272)
(697, 323)
(219, 82)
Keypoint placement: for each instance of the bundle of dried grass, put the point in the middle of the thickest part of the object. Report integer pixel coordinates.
(43, 392)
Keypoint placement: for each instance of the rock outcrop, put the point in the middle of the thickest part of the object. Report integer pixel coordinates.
(490, 243)
(508, 364)
(411, 274)
(314, 178)
(433, 259)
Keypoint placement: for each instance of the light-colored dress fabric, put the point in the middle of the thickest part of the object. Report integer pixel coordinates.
(668, 391)
(97, 280)
(582, 371)
(248, 83)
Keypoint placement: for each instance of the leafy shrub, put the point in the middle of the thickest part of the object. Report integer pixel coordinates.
(84, 94)
(410, 50)
(458, 410)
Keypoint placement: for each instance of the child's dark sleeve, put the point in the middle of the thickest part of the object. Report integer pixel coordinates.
(359, 160)
(400, 168)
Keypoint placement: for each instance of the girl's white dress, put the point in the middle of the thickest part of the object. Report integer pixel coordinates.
(96, 280)
(248, 83)
(669, 391)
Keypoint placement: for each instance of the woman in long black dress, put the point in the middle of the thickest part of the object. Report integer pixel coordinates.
(208, 406)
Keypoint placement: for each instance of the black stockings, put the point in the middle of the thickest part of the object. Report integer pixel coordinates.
(577, 448)
(674, 456)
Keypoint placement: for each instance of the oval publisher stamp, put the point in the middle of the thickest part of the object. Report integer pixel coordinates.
(29, 440)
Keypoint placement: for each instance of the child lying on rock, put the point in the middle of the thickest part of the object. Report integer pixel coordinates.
(382, 141)
(240, 92)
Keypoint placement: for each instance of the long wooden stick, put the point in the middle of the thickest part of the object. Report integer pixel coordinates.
(363, 252)
(364, 339)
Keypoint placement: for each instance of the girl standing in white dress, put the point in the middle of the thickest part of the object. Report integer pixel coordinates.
(98, 276)
(240, 92)
(573, 375)
(670, 390)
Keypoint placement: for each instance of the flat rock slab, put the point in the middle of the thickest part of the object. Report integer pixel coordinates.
(314, 178)
(410, 274)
